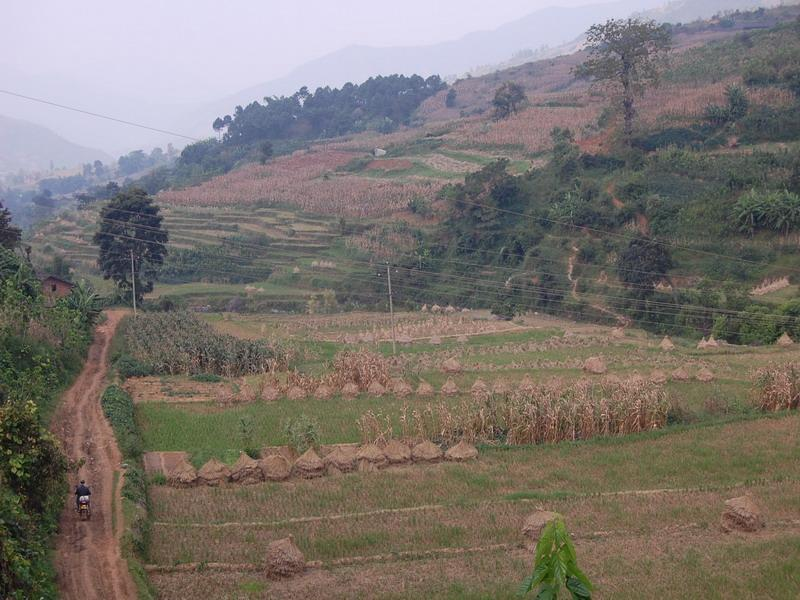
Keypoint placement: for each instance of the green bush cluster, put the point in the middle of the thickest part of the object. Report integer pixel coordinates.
(118, 408)
(41, 349)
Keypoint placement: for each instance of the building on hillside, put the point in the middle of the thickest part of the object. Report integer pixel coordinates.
(54, 288)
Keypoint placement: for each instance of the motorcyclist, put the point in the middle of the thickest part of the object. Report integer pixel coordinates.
(81, 490)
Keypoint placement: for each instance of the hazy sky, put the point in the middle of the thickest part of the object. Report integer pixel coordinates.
(204, 49)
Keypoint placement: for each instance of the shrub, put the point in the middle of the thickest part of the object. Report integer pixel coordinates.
(127, 366)
(302, 432)
(206, 378)
(118, 408)
(556, 566)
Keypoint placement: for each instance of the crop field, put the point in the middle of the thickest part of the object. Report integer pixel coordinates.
(641, 507)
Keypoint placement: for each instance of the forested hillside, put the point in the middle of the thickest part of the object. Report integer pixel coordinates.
(543, 205)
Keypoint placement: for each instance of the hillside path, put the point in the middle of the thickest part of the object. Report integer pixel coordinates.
(88, 558)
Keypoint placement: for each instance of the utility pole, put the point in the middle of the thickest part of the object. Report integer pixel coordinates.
(391, 308)
(133, 284)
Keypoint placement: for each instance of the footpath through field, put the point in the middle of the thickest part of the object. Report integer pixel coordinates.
(88, 558)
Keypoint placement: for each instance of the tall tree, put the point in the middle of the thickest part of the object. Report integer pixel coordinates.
(131, 225)
(9, 235)
(508, 99)
(626, 54)
(643, 264)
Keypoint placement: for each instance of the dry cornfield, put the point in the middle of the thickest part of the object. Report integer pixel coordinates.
(777, 387)
(309, 181)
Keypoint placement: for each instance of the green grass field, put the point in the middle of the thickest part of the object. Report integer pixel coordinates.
(641, 507)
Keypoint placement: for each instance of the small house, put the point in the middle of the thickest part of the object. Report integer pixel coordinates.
(54, 288)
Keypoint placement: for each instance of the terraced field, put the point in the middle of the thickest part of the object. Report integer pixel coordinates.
(641, 506)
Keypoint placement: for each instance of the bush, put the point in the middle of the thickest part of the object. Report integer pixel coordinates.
(302, 433)
(118, 408)
(127, 366)
(206, 378)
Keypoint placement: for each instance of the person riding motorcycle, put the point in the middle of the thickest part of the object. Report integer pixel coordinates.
(81, 490)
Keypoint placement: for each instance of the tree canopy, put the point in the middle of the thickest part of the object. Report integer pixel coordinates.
(380, 103)
(131, 224)
(508, 99)
(9, 235)
(626, 54)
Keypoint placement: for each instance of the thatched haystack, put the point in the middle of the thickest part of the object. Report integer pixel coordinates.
(371, 458)
(436, 308)
(401, 389)
(376, 389)
(534, 524)
(284, 559)
(436, 340)
(182, 475)
(450, 388)
(296, 393)
(426, 452)
(405, 340)
(666, 344)
(704, 375)
(309, 465)
(785, 341)
(213, 473)
(246, 471)
(658, 376)
(275, 468)
(452, 366)
(270, 393)
(500, 388)
(680, 374)
(425, 389)
(742, 514)
(341, 460)
(526, 386)
(323, 392)
(397, 453)
(479, 390)
(595, 365)
(461, 451)
(350, 390)
(618, 333)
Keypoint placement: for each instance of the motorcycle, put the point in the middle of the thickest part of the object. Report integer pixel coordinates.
(84, 508)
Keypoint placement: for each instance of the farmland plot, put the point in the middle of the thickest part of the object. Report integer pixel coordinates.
(453, 530)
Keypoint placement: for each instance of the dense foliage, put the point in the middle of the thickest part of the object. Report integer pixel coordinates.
(556, 566)
(380, 103)
(131, 239)
(41, 347)
(180, 343)
(626, 54)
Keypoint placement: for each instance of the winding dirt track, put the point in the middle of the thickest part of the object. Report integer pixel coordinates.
(88, 558)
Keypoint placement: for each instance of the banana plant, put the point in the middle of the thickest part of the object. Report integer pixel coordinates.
(556, 567)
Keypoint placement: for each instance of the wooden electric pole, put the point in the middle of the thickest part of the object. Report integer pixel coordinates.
(391, 307)
(133, 284)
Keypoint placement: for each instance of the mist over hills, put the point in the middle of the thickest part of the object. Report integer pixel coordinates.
(557, 28)
(31, 147)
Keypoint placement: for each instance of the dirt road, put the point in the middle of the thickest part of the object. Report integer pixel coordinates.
(88, 559)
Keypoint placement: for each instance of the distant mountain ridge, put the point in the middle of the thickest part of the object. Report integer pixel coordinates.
(31, 147)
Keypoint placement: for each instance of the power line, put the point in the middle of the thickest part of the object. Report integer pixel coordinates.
(98, 115)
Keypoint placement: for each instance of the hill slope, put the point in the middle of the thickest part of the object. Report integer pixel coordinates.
(25, 145)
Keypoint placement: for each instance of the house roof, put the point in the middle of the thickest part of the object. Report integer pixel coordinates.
(55, 278)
